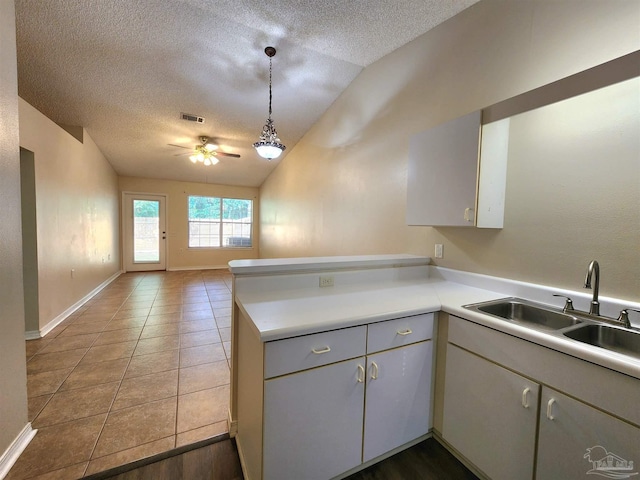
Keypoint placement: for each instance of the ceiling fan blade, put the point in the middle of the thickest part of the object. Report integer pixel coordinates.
(181, 154)
(179, 146)
(224, 154)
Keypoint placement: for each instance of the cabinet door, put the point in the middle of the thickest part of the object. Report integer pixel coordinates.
(490, 415)
(577, 440)
(313, 422)
(398, 403)
(442, 175)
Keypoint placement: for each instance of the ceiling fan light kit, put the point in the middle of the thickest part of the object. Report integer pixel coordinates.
(269, 145)
(205, 153)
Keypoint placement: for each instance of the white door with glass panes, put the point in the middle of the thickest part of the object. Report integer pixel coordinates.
(144, 227)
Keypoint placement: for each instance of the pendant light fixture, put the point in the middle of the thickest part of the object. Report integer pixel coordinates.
(269, 145)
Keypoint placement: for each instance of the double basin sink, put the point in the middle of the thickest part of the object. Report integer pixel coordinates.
(541, 317)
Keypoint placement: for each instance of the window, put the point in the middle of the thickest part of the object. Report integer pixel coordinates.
(220, 222)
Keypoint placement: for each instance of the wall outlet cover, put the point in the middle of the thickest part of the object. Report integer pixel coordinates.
(326, 280)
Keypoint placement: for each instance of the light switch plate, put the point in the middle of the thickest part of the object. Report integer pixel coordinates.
(439, 250)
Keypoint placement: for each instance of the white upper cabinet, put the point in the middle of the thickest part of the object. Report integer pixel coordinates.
(457, 174)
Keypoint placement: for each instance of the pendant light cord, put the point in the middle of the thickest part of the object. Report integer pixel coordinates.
(270, 88)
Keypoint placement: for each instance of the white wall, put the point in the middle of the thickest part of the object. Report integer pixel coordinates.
(76, 213)
(13, 374)
(342, 189)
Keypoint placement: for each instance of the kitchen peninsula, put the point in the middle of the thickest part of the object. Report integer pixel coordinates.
(311, 335)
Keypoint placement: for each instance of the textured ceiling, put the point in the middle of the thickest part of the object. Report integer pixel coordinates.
(126, 69)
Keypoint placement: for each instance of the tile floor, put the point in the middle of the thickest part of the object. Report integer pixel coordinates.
(141, 368)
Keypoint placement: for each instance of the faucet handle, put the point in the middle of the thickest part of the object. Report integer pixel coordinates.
(568, 305)
(624, 316)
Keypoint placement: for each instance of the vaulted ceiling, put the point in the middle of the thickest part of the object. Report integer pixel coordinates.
(126, 69)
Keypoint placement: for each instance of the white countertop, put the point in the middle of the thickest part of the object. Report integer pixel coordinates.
(301, 312)
(300, 307)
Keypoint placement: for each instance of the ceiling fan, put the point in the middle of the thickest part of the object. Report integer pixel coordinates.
(206, 152)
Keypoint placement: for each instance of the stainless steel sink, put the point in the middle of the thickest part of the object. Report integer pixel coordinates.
(527, 313)
(613, 339)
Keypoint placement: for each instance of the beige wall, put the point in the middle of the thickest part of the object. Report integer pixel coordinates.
(29, 240)
(13, 375)
(342, 189)
(179, 255)
(76, 213)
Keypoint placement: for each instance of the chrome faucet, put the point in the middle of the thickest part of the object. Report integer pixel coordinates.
(594, 309)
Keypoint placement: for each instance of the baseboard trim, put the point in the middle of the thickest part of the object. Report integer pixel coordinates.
(243, 465)
(204, 267)
(232, 425)
(32, 334)
(63, 316)
(11, 454)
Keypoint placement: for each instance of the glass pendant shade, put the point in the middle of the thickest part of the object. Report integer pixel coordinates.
(268, 150)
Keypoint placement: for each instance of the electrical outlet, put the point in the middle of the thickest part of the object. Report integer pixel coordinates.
(326, 280)
(439, 250)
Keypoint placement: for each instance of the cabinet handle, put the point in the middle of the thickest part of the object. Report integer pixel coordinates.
(404, 332)
(374, 370)
(360, 375)
(469, 214)
(550, 409)
(525, 399)
(319, 351)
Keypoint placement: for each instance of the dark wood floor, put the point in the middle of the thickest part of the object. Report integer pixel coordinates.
(427, 460)
(219, 461)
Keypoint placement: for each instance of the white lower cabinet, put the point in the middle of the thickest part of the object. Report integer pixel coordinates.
(511, 426)
(490, 415)
(321, 405)
(577, 440)
(313, 422)
(398, 403)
